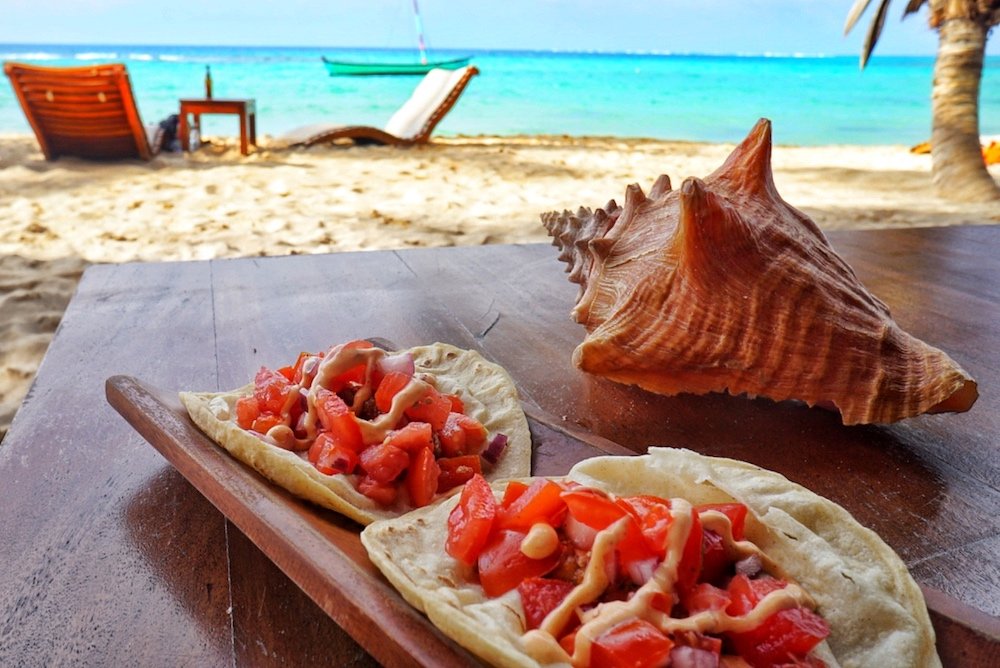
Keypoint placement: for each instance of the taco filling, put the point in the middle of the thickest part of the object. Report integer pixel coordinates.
(358, 410)
(670, 556)
(372, 433)
(611, 581)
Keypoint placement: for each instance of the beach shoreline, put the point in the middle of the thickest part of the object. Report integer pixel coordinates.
(58, 218)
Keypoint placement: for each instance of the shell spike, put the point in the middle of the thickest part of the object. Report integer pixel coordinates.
(661, 187)
(634, 198)
(708, 221)
(748, 167)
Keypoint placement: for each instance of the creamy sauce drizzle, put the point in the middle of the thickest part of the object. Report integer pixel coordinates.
(738, 549)
(540, 542)
(542, 644)
(340, 360)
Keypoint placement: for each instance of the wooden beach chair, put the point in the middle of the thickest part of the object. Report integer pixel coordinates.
(87, 112)
(412, 123)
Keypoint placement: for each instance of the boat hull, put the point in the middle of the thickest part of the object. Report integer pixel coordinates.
(340, 68)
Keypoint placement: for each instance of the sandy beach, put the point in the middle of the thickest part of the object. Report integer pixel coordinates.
(57, 218)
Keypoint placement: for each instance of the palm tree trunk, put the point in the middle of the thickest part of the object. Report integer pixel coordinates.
(958, 171)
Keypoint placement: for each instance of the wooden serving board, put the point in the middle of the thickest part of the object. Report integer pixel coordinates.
(316, 548)
(321, 552)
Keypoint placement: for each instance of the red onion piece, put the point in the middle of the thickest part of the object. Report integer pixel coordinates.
(683, 656)
(749, 566)
(581, 535)
(398, 363)
(300, 425)
(495, 448)
(641, 572)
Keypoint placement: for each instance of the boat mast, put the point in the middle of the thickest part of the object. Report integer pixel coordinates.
(420, 33)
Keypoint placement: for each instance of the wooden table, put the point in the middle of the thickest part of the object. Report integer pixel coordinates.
(111, 557)
(245, 109)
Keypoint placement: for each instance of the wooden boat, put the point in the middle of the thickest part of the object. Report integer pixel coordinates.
(352, 68)
(338, 68)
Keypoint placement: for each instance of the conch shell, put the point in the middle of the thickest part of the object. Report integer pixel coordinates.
(724, 287)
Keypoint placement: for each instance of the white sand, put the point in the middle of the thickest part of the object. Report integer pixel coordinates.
(55, 218)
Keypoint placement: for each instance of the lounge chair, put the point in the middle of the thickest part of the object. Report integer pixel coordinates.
(88, 112)
(413, 123)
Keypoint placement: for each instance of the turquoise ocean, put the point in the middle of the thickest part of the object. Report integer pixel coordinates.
(811, 100)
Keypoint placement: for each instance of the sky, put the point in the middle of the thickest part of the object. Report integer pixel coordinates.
(678, 26)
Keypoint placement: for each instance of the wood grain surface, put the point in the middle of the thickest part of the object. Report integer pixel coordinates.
(112, 557)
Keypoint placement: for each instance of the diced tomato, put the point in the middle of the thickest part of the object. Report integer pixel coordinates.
(413, 437)
(336, 417)
(746, 595)
(475, 434)
(390, 386)
(689, 567)
(540, 596)
(457, 405)
(263, 423)
(322, 442)
(382, 493)
(340, 459)
(271, 390)
(317, 447)
(433, 408)
(457, 471)
(383, 463)
(288, 372)
(568, 642)
(714, 562)
(654, 520)
(515, 488)
(593, 508)
(247, 410)
(541, 502)
(502, 565)
(471, 521)
(355, 373)
(331, 457)
(422, 477)
(704, 596)
(634, 643)
(736, 512)
(783, 636)
(599, 512)
(452, 436)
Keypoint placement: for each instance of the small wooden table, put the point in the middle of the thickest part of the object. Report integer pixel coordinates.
(245, 109)
(112, 556)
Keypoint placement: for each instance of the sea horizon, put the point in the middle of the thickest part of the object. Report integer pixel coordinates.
(812, 99)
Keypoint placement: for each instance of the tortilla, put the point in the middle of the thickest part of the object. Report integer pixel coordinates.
(875, 610)
(485, 388)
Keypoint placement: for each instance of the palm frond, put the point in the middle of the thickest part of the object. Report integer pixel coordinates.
(874, 30)
(913, 6)
(857, 10)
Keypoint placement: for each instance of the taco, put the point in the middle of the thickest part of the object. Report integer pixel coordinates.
(671, 558)
(370, 433)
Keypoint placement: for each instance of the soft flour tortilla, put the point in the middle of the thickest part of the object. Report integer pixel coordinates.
(485, 388)
(875, 610)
